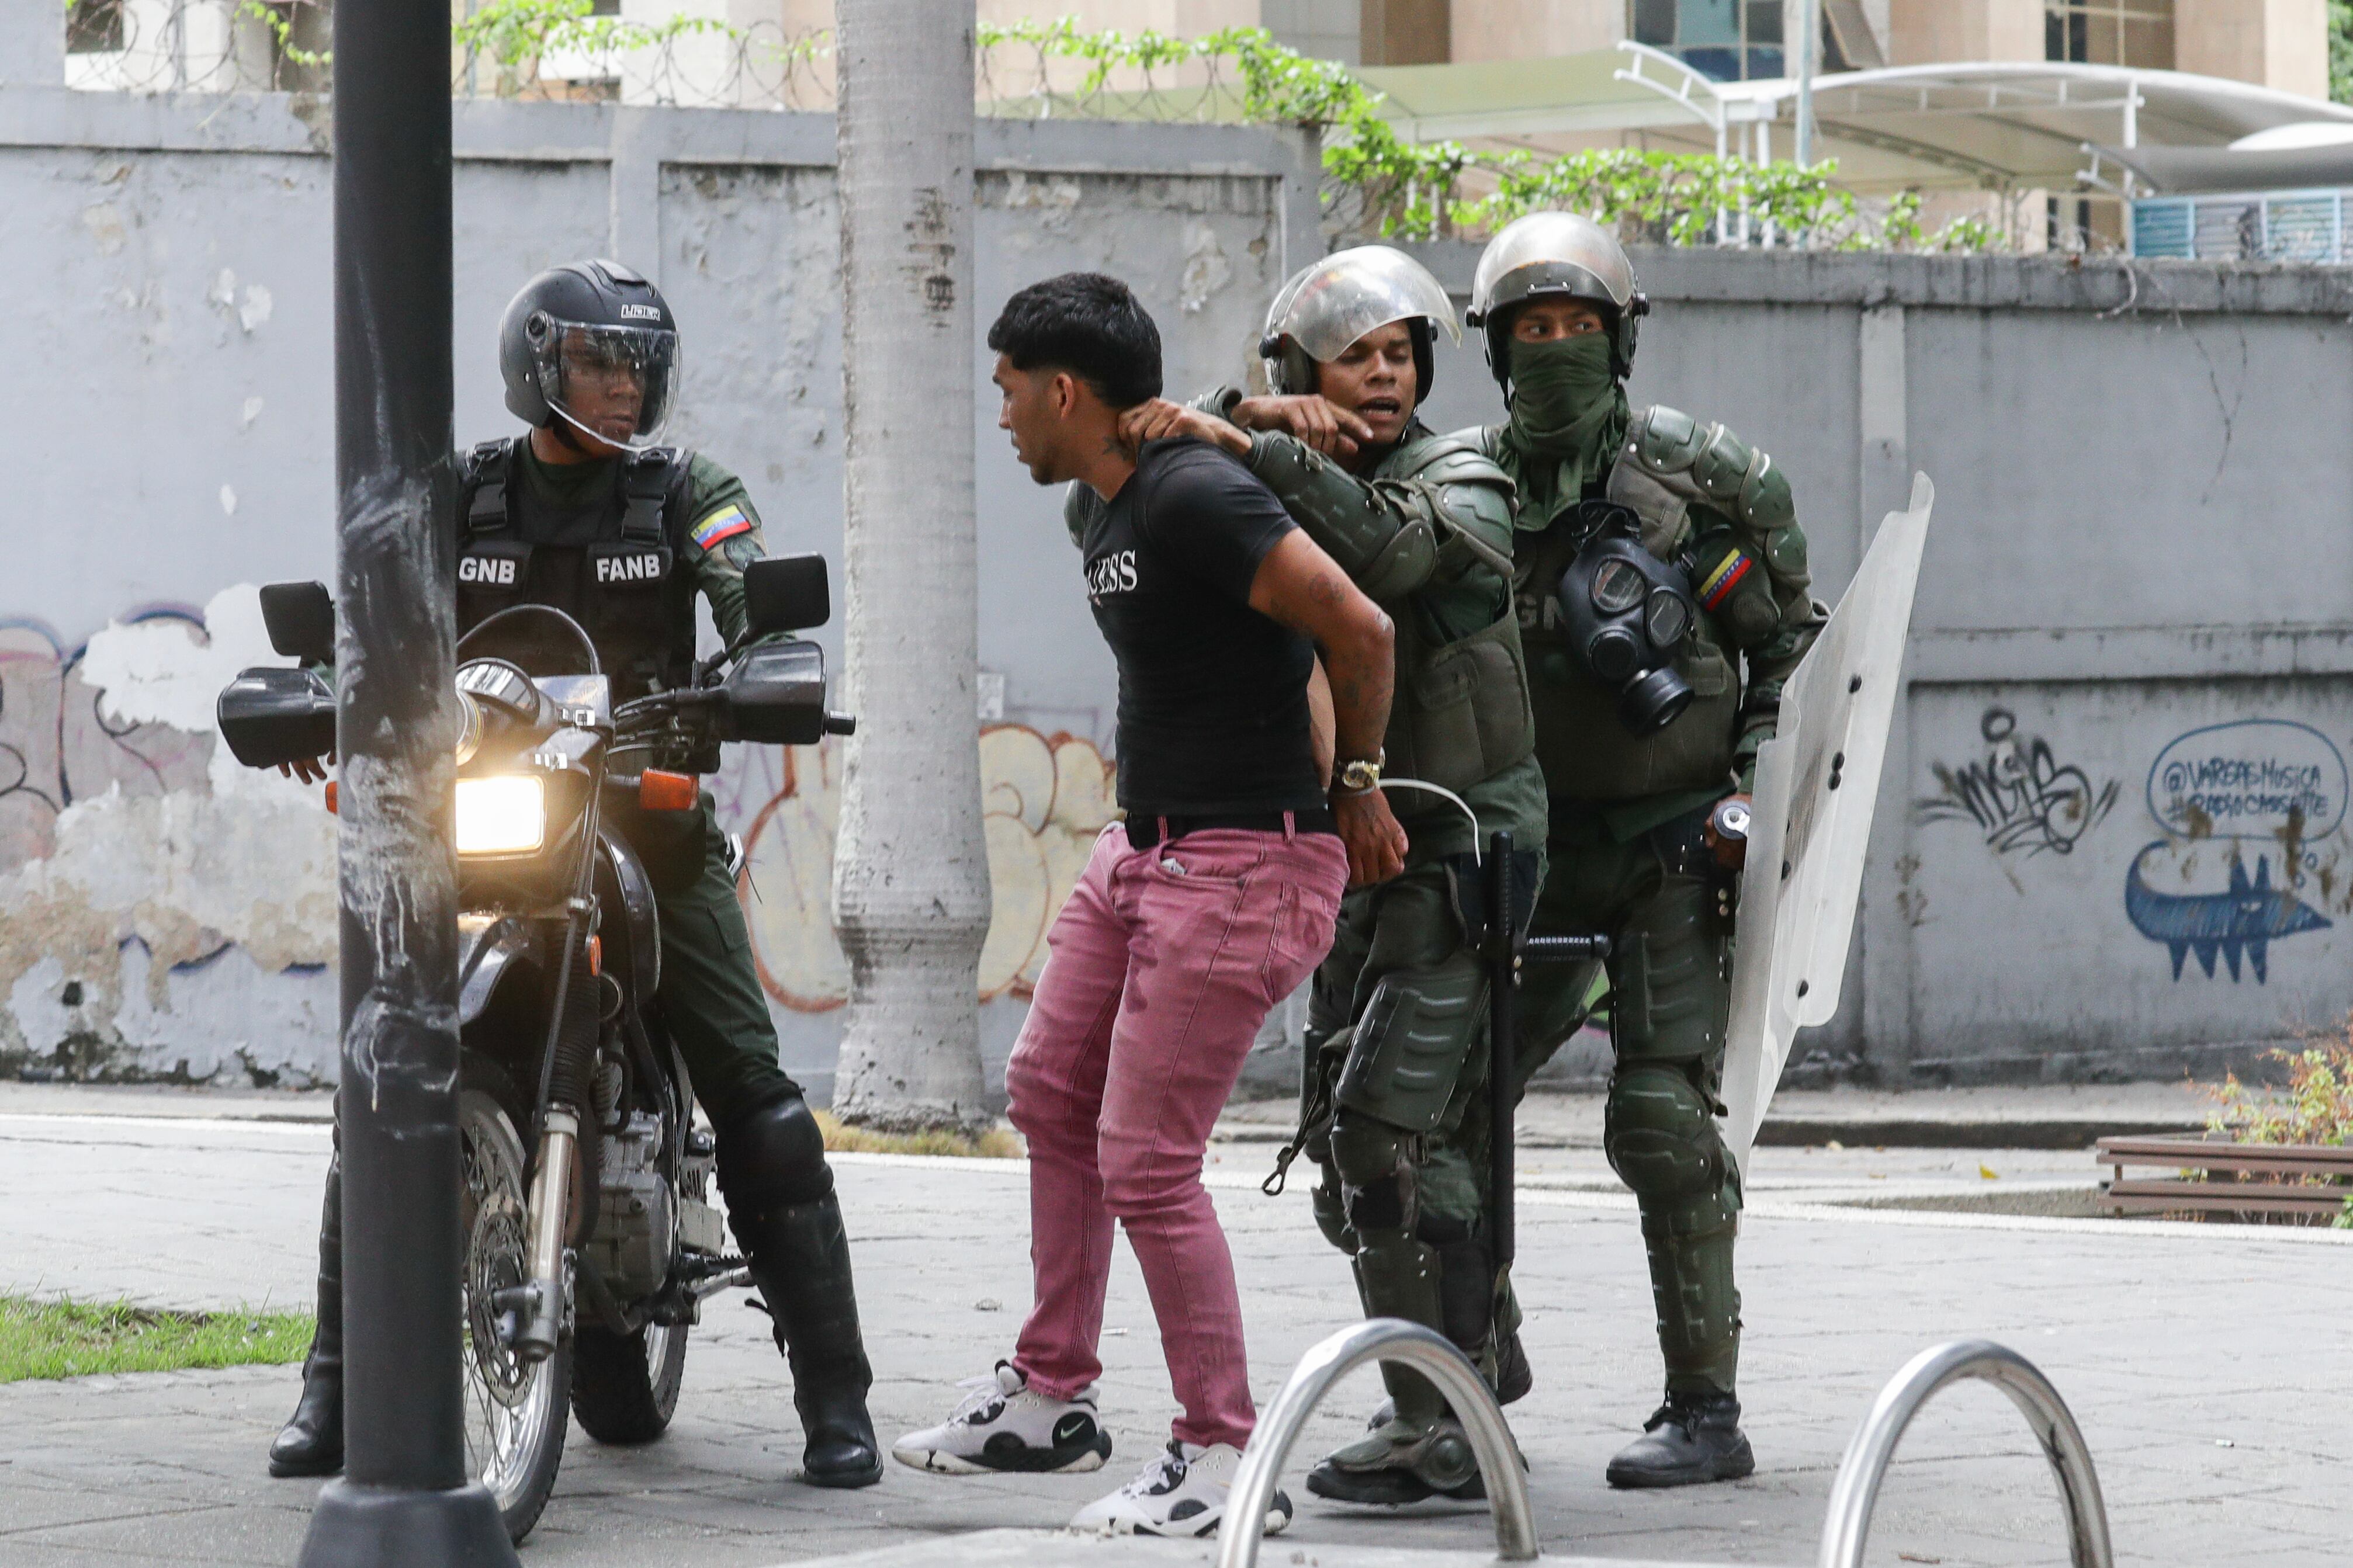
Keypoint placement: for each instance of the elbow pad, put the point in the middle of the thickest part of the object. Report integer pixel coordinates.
(1385, 554)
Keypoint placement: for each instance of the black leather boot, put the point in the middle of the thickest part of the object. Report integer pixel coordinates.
(311, 1443)
(800, 1255)
(1690, 1440)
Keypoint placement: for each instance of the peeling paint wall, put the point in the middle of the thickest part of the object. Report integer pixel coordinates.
(165, 914)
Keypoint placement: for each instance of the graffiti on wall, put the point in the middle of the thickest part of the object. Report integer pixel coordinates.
(2217, 792)
(1046, 798)
(2018, 794)
(163, 912)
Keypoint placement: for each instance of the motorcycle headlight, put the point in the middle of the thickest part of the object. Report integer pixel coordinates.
(501, 816)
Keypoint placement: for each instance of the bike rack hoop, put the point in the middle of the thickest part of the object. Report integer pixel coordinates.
(1429, 1353)
(1856, 1493)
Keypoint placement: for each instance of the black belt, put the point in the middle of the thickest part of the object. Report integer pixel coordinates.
(1144, 828)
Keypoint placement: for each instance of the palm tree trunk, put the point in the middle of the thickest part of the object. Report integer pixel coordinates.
(910, 895)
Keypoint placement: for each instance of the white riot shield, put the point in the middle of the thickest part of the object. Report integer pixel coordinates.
(1817, 783)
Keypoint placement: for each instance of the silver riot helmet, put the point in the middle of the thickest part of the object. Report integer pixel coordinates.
(1560, 254)
(1330, 304)
(593, 346)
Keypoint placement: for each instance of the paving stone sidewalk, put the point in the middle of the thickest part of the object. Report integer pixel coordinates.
(2204, 1362)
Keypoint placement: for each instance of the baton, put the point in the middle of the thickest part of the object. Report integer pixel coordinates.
(1506, 948)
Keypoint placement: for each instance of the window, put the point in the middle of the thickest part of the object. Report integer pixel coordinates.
(2109, 32)
(1731, 40)
(94, 27)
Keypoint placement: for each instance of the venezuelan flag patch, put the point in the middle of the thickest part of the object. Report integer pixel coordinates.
(725, 523)
(1729, 574)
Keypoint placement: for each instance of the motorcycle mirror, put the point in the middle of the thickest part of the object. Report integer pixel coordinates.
(786, 594)
(302, 621)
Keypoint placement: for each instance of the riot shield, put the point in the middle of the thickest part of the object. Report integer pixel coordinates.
(1817, 783)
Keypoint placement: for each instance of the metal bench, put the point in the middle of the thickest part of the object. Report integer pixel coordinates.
(2231, 1178)
(1845, 1530)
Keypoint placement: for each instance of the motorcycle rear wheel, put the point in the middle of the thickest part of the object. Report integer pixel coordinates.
(515, 1410)
(625, 1386)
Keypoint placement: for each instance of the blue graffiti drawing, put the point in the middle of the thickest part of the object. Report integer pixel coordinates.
(2248, 918)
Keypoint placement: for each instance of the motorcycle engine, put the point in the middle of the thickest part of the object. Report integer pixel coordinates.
(637, 1226)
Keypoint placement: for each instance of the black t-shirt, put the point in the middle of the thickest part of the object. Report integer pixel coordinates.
(1212, 695)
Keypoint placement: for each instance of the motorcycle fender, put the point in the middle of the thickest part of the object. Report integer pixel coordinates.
(488, 949)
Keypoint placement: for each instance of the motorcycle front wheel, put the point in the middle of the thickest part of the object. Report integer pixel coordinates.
(515, 1410)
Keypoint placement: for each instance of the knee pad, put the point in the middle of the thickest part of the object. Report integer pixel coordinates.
(772, 1156)
(1408, 1050)
(1332, 1213)
(1375, 1164)
(1660, 1132)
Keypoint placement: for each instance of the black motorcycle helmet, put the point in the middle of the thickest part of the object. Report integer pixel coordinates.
(588, 318)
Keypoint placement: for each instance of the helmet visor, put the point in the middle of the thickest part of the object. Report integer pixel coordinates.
(612, 383)
(1332, 303)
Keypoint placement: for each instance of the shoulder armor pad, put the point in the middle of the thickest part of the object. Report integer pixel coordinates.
(1452, 460)
(1664, 440)
(1484, 439)
(1711, 465)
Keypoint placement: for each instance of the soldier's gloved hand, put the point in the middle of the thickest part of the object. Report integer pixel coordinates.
(1726, 833)
(1325, 426)
(1376, 841)
(1160, 420)
(310, 771)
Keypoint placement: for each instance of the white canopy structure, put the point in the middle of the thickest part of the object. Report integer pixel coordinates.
(1989, 126)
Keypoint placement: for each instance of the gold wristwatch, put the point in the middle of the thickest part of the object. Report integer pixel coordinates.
(1363, 776)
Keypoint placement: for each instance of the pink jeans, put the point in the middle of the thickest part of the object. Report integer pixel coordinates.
(1158, 973)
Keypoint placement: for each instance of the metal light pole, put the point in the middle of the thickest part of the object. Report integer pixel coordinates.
(1809, 38)
(404, 1501)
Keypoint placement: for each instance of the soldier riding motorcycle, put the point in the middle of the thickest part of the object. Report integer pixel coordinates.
(581, 549)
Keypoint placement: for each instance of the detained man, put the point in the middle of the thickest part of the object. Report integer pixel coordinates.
(1393, 1104)
(1209, 904)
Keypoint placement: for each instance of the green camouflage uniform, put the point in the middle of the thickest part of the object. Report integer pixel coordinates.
(1392, 1104)
(1626, 849)
(709, 995)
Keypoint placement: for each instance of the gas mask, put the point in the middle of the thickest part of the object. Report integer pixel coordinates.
(1627, 611)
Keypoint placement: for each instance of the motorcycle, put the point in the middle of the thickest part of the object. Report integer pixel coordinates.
(591, 1236)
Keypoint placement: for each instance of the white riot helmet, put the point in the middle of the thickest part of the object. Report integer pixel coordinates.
(1330, 304)
(1557, 254)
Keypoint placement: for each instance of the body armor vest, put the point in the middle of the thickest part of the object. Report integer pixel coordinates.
(1460, 714)
(611, 564)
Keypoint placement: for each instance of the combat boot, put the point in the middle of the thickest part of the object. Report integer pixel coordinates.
(800, 1255)
(1693, 1439)
(312, 1443)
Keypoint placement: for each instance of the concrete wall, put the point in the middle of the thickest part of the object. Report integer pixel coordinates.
(2280, 44)
(2131, 679)
(1927, 32)
(1516, 29)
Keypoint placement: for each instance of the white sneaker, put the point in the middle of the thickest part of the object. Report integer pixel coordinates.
(1181, 1492)
(1004, 1425)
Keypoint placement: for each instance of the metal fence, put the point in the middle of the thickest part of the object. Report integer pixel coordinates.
(259, 46)
(2261, 225)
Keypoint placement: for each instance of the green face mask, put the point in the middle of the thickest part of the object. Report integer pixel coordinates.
(1561, 392)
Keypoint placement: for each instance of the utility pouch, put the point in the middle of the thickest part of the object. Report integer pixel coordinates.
(1408, 1048)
